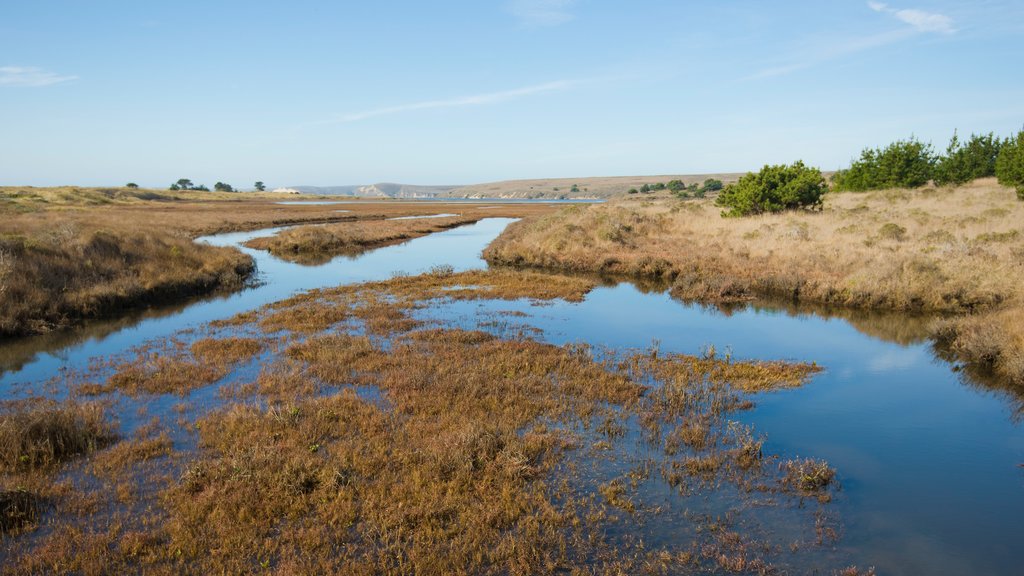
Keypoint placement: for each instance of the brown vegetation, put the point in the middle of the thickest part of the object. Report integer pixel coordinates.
(954, 250)
(38, 435)
(435, 450)
(318, 244)
(69, 254)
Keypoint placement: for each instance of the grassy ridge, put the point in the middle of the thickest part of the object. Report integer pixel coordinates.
(50, 280)
(953, 250)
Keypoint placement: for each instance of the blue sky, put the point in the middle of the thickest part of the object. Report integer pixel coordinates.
(448, 92)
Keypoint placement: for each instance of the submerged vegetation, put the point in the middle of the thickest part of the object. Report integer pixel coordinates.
(374, 439)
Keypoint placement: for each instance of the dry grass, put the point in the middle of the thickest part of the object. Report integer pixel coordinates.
(39, 435)
(936, 250)
(318, 244)
(435, 450)
(69, 254)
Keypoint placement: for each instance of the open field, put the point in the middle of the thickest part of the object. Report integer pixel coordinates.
(948, 250)
(370, 441)
(68, 254)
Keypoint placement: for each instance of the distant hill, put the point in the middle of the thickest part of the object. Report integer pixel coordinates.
(380, 190)
(546, 188)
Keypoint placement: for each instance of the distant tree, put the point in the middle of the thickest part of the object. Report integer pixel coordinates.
(964, 162)
(260, 187)
(575, 188)
(200, 188)
(131, 185)
(658, 186)
(632, 191)
(223, 187)
(174, 187)
(645, 189)
(1010, 164)
(902, 164)
(676, 185)
(184, 184)
(774, 189)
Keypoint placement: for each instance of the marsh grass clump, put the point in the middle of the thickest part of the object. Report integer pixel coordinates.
(18, 510)
(74, 273)
(40, 435)
(318, 244)
(809, 477)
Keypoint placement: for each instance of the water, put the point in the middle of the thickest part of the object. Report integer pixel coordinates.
(929, 460)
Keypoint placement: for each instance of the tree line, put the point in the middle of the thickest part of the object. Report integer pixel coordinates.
(906, 163)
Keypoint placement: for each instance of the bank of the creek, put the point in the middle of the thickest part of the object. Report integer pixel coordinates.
(929, 459)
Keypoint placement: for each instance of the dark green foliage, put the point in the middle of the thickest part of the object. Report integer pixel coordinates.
(632, 191)
(259, 186)
(712, 185)
(223, 187)
(575, 188)
(1010, 164)
(131, 185)
(676, 186)
(902, 164)
(964, 162)
(773, 189)
(186, 184)
(645, 189)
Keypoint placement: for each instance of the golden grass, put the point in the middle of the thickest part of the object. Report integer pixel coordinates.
(39, 435)
(69, 254)
(931, 250)
(436, 450)
(318, 244)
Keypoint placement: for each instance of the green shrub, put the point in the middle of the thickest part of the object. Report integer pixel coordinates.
(712, 185)
(773, 189)
(964, 162)
(1010, 164)
(902, 164)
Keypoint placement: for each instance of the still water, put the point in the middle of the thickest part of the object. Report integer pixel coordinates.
(929, 460)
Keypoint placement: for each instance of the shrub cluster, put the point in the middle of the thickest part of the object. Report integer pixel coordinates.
(911, 163)
(773, 189)
(902, 164)
(1010, 163)
(964, 162)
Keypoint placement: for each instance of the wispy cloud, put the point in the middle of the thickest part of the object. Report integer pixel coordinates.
(918, 19)
(29, 76)
(474, 100)
(838, 49)
(542, 12)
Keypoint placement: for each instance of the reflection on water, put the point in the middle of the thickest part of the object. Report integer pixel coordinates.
(929, 465)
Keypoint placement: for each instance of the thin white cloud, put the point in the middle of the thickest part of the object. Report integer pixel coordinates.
(542, 12)
(920, 22)
(474, 100)
(27, 76)
(824, 53)
(918, 19)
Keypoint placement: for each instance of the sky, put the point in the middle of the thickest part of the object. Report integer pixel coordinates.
(342, 92)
